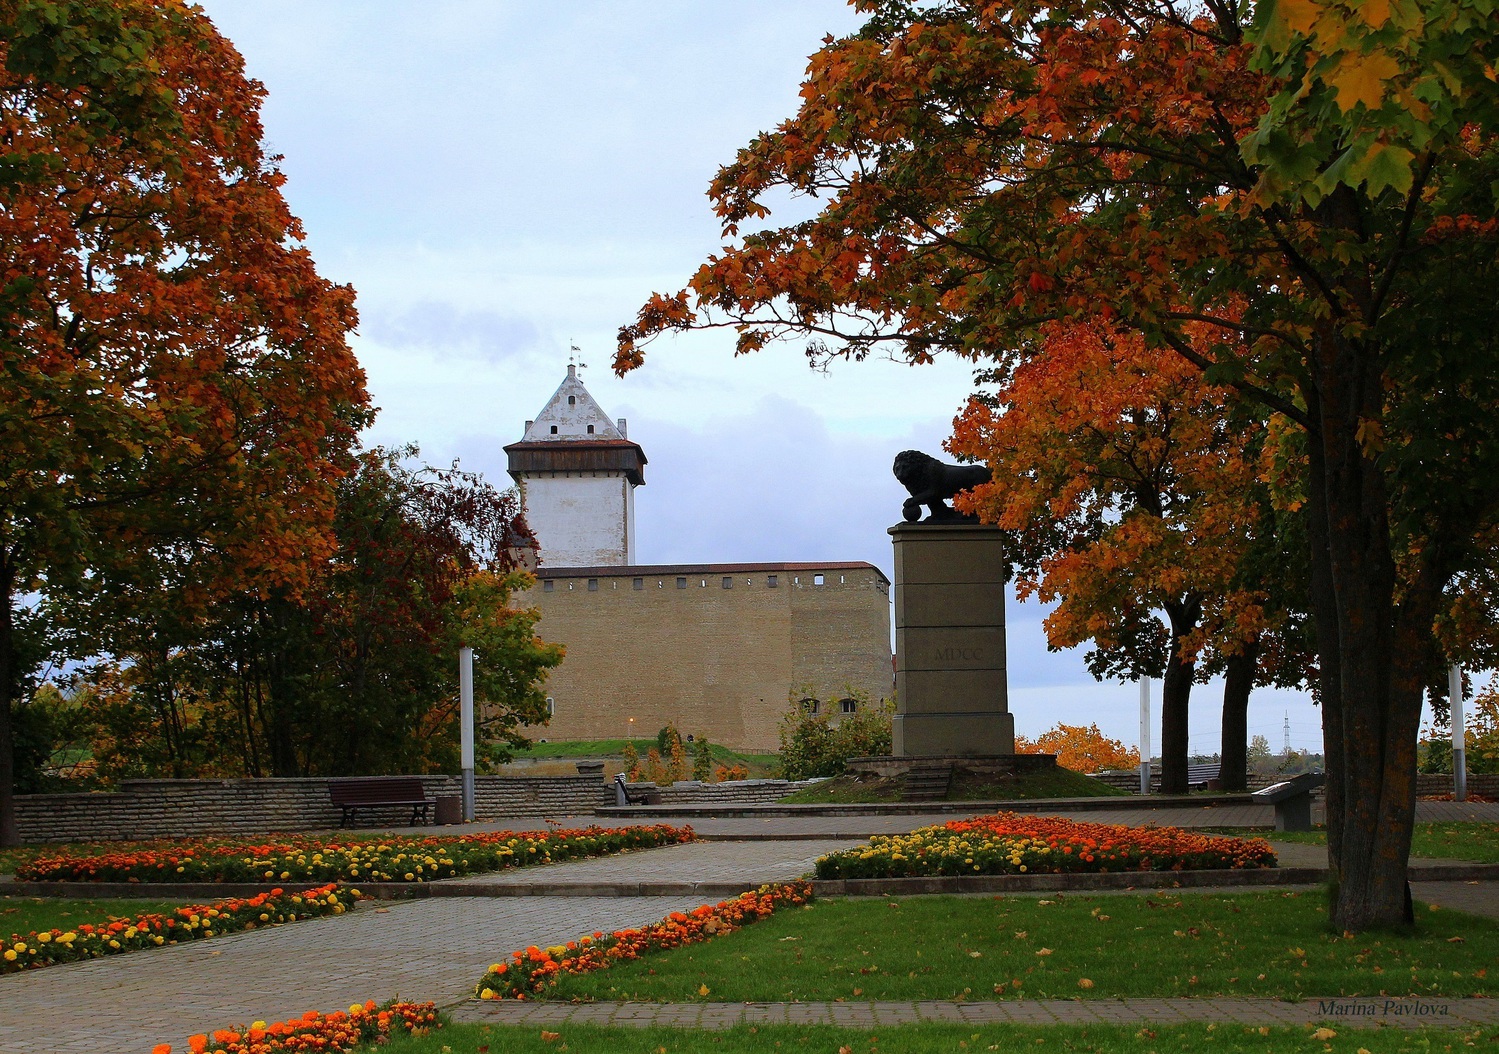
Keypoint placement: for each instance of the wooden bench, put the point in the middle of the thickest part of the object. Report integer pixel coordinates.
(1199, 777)
(1292, 800)
(377, 791)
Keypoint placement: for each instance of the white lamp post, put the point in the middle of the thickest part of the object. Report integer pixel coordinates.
(1459, 741)
(466, 721)
(1144, 735)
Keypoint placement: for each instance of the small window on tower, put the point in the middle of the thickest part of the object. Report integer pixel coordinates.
(681, 583)
(772, 581)
(551, 706)
(572, 400)
(593, 585)
(639, 583)
(590, 429)
(548, 586)
(818, 580)
(554, 430)
(847, 706)
(728, 583)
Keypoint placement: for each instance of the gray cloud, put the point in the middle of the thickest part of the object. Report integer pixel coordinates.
(446, 330)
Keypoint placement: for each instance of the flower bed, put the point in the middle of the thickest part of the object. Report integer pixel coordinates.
(1008, 843)
(537, 970)
(193, 922)
(334, 1033)
(303, 859)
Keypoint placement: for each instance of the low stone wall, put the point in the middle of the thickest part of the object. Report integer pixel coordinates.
(736, 792)
(1130, 780)
(182, 808)
(1436, 783)
(1427, 784)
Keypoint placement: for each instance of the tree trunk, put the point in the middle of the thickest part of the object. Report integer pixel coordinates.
(1238, 682)
(1176, 695)
(1372, 674)
(10, 831)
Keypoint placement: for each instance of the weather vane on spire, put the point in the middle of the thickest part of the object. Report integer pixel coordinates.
(574, 359)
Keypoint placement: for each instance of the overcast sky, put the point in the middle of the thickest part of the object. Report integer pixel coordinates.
(501, 180)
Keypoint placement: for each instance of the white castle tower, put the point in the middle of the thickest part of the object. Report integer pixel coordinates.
(577, 472)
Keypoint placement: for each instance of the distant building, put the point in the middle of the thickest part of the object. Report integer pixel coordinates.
(717, 649)
(577, 472)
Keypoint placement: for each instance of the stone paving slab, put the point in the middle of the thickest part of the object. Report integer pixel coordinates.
(425, 949)
(748, 863)
(1340, 1011)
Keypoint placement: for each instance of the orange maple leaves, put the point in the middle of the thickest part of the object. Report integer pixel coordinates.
(1125, 485)
(1080, 748)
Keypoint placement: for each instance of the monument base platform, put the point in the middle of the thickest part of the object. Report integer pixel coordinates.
(991, 767)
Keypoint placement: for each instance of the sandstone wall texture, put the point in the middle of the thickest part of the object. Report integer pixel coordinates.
(716, 649)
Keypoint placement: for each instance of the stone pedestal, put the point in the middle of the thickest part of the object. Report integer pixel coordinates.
(951, 689)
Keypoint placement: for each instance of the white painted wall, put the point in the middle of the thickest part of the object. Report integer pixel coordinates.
(581, 519)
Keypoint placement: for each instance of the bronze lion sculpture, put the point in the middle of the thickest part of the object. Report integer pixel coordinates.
(932, 483)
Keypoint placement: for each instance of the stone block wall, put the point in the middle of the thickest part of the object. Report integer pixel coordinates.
(1427, 784)
(713, 648)
(183, 808)
(187, 808)
(738, 792)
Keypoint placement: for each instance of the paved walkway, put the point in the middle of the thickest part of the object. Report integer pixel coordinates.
(438, 948)
(1367, 1012)
(810, 825)
(422, 949)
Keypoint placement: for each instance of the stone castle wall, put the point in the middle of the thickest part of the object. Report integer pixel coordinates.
(714, 649)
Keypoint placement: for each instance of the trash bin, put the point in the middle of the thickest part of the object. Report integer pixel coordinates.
(449, 809)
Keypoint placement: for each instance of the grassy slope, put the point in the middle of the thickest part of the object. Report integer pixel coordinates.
(1059, 783)
(926, 1039)
(1247, 944)
(22, 915)
(760, 765)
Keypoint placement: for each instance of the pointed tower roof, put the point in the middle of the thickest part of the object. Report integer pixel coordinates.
(569, 413)
(573, 433)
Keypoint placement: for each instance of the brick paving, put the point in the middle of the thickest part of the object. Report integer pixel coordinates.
(1364, 1012)
(425, 949)
(746, 864)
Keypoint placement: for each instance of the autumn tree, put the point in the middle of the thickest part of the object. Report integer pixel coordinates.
(1125, 486)
(354, 673)
(174, 373)
(1314, 180)
(1081, 748)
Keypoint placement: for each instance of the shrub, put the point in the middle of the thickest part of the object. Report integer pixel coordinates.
(702, 760)
(812, 746)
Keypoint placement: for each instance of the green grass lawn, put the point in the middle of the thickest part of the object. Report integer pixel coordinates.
(1058, 783)
(22, 915)
(928, 1039)
(1272, 944)
(1478, 842)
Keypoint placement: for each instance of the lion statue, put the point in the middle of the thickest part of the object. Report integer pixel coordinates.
(932, 483)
